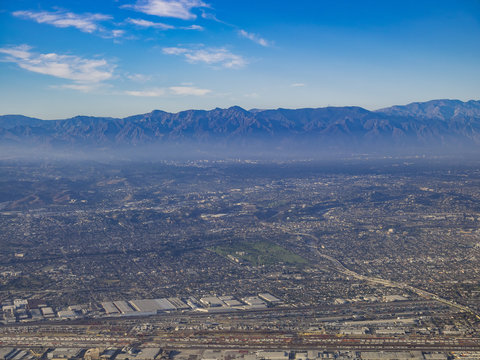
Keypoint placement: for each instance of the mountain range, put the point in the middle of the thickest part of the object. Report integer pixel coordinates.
(441, 123)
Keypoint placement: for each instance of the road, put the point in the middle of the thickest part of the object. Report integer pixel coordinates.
(250, 340)
(403, 286)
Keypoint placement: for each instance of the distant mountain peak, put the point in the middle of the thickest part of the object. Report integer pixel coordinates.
(438, 122)
(442, 109)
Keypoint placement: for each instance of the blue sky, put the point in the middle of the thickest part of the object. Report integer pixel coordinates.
(60, 58)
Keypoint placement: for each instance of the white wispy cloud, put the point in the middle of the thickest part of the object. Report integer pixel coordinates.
(117, 33)
(138, 77)
(254, 37)
(173, 90)
(162, 26)
(80, 87)
(88, 23)
(150, 24)
(179, 9)
(209, 16)
(146, 93)
(189, 90)
(297, 85)
(83, 72)
(213, 17)
(193, 27)
(175, 51)
(211, 56)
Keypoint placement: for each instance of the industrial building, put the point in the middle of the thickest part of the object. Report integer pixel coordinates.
(269, 298)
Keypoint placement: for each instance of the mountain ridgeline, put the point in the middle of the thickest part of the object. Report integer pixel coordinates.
(437, 125)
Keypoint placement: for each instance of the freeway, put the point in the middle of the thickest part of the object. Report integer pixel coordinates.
(282, 340)
(29, 340)
(250, 340)
(339, 267)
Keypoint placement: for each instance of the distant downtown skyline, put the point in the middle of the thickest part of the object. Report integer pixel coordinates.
(121, 57)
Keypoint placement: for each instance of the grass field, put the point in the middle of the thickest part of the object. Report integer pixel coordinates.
(260, 253)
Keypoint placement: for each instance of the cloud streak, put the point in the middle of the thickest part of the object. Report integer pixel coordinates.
(150, 24)
(173, 90)
(88, 23)
(85, 73)
(211, 56)
(254, 37)
(179, 9)
(189, 90)
(162, 26)
(193, 27)
(86, 88)
(146, 93)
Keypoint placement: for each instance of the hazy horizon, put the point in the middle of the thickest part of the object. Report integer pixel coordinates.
(233, 106)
